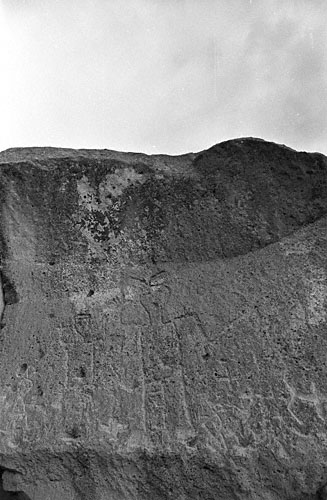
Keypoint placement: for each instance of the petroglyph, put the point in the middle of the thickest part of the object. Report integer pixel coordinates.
(113, 428)
(297, 317)
(134, 313)
(158, 279)
(155, 407)
(83, 326)
(314, 399)
(99, 297)
(212, 424)
(162, 361)
(291, 246)
(80, 364)
(158, 317)
(13, 413)
(79, 417)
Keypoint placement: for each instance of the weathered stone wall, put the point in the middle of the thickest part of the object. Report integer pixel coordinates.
(164, 325)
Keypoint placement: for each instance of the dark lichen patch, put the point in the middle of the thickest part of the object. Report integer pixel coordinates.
(23, 368)
(265, 192)
(153, 199)
(96, 171)
(104, 203)
(237, 197)
(74, 432)
(9, 292)
(11, 495)
(322, 493)
(229, 209)
(95, 222)
(39, 390)
(45, 201)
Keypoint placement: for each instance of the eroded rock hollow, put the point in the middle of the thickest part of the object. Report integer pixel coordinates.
(163, 324)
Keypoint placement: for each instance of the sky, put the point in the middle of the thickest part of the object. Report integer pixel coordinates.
(162, 76)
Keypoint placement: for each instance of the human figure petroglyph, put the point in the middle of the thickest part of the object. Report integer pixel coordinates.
(158, 355)
(83, 325)
(13, 408)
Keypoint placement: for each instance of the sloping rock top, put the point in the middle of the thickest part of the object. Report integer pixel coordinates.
(163, 328)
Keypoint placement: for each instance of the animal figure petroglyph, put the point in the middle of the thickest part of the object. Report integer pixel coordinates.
(314, 398)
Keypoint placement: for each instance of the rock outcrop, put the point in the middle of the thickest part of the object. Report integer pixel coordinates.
(163, 324)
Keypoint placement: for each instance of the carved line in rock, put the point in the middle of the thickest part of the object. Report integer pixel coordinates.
(154, 397)
(314, 398)
(149, 395)
(84, 327)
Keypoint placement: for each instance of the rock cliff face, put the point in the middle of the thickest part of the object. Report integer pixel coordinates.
(163, 325)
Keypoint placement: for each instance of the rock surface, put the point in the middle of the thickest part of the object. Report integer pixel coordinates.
(163, 331)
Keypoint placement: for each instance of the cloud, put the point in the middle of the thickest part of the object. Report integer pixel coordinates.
(162, 75)
(292, 48)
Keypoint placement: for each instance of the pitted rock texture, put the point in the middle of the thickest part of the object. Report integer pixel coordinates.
(163, 326)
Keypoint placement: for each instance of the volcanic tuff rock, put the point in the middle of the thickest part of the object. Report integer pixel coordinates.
(163, 331)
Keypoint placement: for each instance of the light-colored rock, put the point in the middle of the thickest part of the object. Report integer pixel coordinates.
(164, 324)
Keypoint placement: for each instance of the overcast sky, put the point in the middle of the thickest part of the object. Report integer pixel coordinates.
(162, 76)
